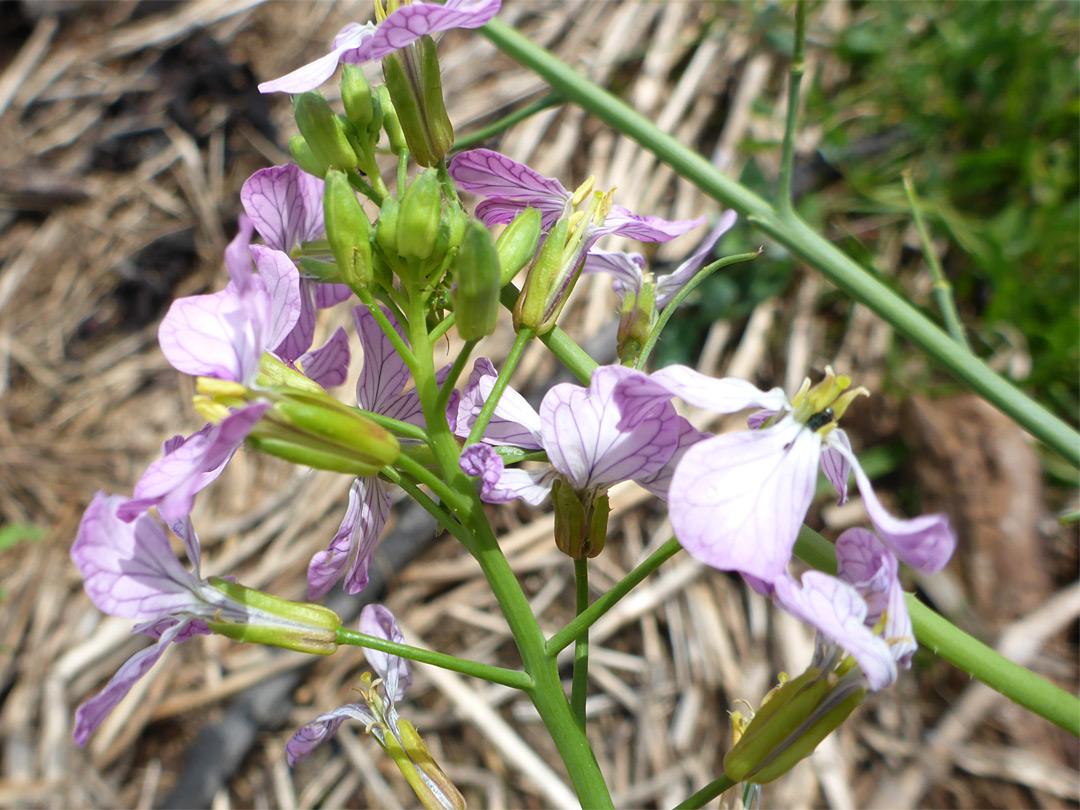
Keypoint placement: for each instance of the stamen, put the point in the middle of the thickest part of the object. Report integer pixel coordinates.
(583, 191)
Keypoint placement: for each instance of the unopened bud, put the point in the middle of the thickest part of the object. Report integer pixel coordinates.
(323, 131)
(548, 284)
(348, 231)
(421, 213)
(580, 528)
(636, 318)
(476, 296)
(418, 99)
(517, 243)
(391, 123)
(261, 618)
(305, 158)
(386, 227)
(357, 97)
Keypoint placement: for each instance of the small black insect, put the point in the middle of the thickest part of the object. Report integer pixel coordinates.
(820, 419)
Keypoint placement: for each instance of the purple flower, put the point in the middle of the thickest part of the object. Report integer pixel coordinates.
(356, 44)
(628, 269)
(737, 500)
(577, 427)
(285, 204)
(380, 389)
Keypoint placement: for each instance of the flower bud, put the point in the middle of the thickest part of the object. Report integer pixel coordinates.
(476, 295)
(418, 98)
(386, 226)
(323, 131)
(636, 317)
(391, 123)
(357, 97)
(261, 618)
(546, 286)
(305, 158)
(348, 231)
(517, 243)
(580, 528)
(421, 213)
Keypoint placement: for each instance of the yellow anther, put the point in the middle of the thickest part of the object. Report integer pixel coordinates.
(605, 206)
(583, 191)
(575, 220)
(213, 412)
(800, 395)
(843, 402)
(213, 387)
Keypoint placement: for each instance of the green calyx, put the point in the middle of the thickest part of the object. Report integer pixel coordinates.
(476, 296)
(413, 80)
(278, 622)
(323, 131)
(348, 231)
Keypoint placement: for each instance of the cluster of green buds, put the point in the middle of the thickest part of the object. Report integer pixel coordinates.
(267, 619)
(794, 717)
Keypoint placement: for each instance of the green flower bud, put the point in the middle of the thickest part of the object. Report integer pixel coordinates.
(636, 317)
(432, 786)
(305, 158)
(421, 213)
(391, 123)
(268, 619)
(357, 96)
(517, 243)
(580, 527)
(387, 226)
(418, 99)
(323, 131)
(546, 287)
(348, 231)
(476, 296)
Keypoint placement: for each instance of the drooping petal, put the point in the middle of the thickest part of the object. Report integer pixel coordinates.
(329, 364)
(644, 229)
(409, 23)
(323, 728)
(627, 268)
(384, 374)
(926, 543)
(129, 569)
(668, 286)
(837, 611)
(285, 204)
(514, 421)
(636, 393)
(377, 620)
(330, 295)
(501, 485)
(758, 419)
(93, 712)
(237, 257)
(660, 482)
(315, 73)
(835, 465)
(737, 500)
(583, 440)
(351, 549)
(490, 174)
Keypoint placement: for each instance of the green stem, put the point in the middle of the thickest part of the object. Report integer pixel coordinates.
(795, 75)
(445, 519)
(402, 173)
(969, 654)
(447, 181)
(406, 429)
(799, 239)
(400, 346)
(442, 327)
(576, 360)
(942, 287)
(486, 412)
(454, 500)
(455, 373)
(471, 139)
(507, 677)
(706, 794)
(580, 686)
(680, 296)
(363, 186)
(588, 617)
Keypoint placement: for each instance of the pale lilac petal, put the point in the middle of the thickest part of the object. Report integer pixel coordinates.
(835, 465)
(489, 174)
(375, 505)
(377, 620)
(329, 364)
(926, 543)
(514, 421)
(329, 295)
(323, 728)
(285, 204)
(384, 374)
(93, 711)
(660, 482)
(192, 546)
(298, 340)
(500, 212)
(627, 268)
(501, 485)
(668, 286)
(282, 281)
(737, 500)
(211, 336)
(353, 545)
(409, 23)
(645, 229)
(172, 481)
(758, 419)
(583, 440)
(837, 611)
(315, 73)
(237, 257)
(129, 569)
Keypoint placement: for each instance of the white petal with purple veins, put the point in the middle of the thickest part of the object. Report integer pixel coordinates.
(514, 421)
(490, 174)
(834, 464)
(377, 620)
(408, 23)
(627, 269)
(329, 364)
(643, 228)
(285, 205)
(323, 728)
(384, 374)
(315, 73)
(660, 482)
(498, 484)
(211, 336)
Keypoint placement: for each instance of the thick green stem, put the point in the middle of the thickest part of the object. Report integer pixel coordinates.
(942, 287)
(794, 235)
(795, 74)
(571, 355)
(706, 794)
(507, 677)
(488, 410)
(455, 373)
(580, 686)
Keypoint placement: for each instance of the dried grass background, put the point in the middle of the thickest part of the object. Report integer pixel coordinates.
(127, 130)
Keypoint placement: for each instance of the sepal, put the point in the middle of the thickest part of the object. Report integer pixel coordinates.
(293, 625)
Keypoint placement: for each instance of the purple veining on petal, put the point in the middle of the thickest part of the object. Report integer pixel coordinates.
(329, 364)
(660, 482)
(645, 228)
(322, 728)
(758, 419)
(329, 295)
(285, 205)
(210, 336)
(315, 73)
(384, 374)
(737, 500)
(237, 257)
(499, 484)
(669, 286)
(490, 174)
(514, 421)
(375, 505)
(626, 268)
(497, 211)
(376, 620)
(408, 23)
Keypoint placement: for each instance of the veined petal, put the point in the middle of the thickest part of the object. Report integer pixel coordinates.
(237, 257)
(315, 73)
(837, 611)
(329, 364)
(835, 464)
(377, 620)
(129, 569)
(660, 482)
(329, 295)
(384, 374)
(496, 211)
(758, 419)
(668, 286)
(583, 438)
(211, 336)
(926, 543)
(627, 268)
(409, 23)
(644, 229)
(501, 485)
(737, 500)
(286, 302)
(353, 545)
(285, 204)
(94, 710)
(514, 421)
(490, 174)
(323, 728)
